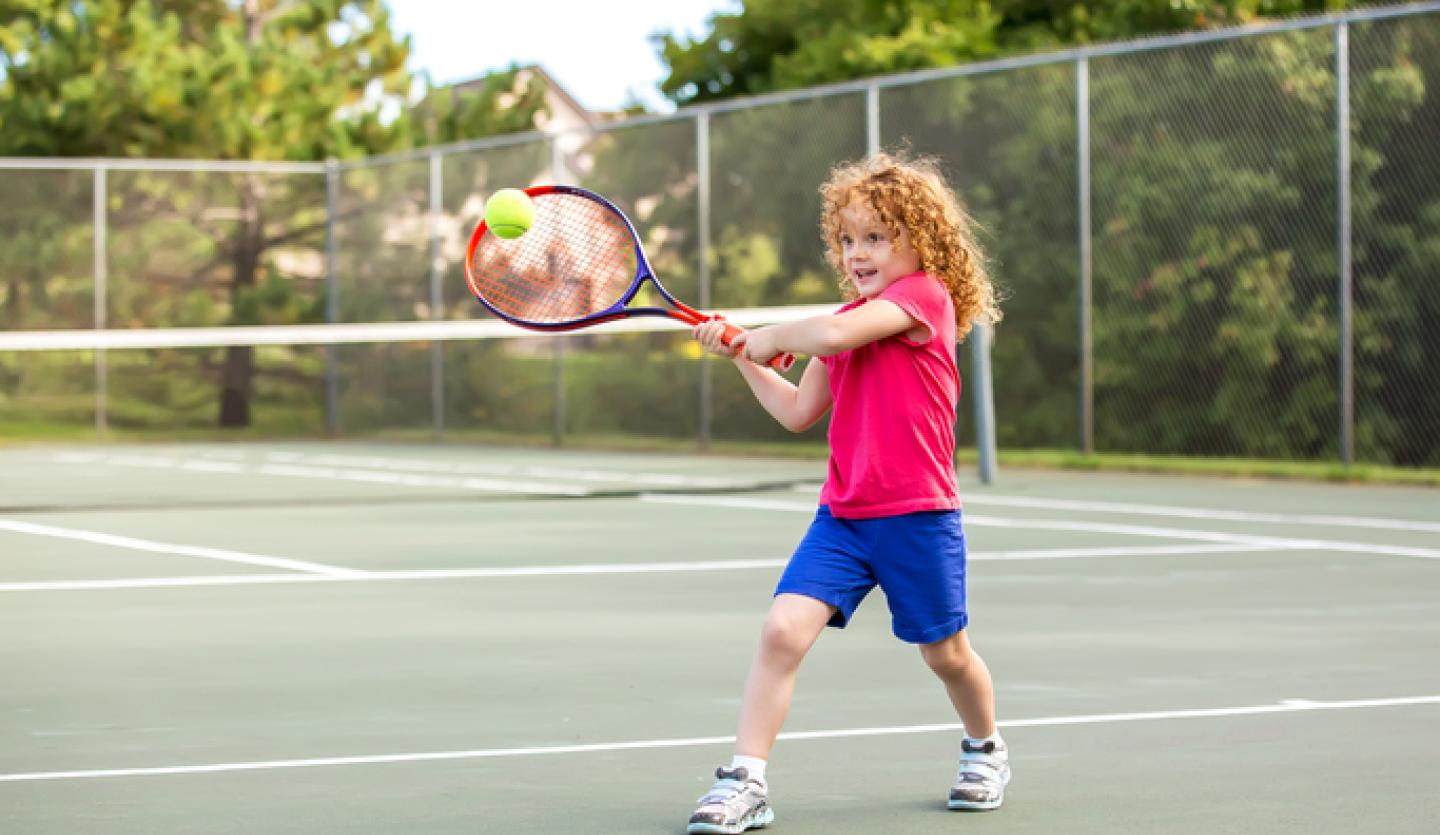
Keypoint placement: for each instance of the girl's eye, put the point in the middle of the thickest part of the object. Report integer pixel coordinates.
(845, 240)
(875, 237)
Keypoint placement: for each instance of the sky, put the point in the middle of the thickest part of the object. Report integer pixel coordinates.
(598, 50)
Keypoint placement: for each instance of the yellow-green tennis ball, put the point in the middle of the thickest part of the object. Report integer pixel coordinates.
(509, 212)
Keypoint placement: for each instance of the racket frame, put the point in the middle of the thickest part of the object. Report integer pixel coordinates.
(679, 311)
(619, 310)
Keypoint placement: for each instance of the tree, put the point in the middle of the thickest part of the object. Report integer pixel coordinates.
(1396, 101)
(253, 80)
(773, 45)
(1214, 204)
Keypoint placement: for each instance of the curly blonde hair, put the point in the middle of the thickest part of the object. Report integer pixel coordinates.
(911, 193)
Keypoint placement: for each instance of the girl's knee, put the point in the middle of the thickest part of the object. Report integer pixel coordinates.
(949, 657)
(785, 637)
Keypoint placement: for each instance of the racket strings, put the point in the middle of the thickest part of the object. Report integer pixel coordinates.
(577, 259)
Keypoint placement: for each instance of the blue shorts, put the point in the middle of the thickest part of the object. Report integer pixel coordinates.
(917, 559)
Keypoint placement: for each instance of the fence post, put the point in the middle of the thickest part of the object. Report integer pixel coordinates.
(557, 429)
(332, 299)
(1087, 339)
(100, 223)
(1346, 268)
(437, 301)
(702, 175)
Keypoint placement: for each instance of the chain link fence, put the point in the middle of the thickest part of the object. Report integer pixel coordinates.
(1219, 244)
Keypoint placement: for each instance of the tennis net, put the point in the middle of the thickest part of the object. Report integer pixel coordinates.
(640, 377)
(640, 383)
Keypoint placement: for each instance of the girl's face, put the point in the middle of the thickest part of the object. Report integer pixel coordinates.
(872, 257)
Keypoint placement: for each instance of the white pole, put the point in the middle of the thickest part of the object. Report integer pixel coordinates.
(982, 380)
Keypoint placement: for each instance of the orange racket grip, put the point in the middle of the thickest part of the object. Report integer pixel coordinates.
(779, 362)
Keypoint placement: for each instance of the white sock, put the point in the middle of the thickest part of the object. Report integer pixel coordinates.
(754, 765)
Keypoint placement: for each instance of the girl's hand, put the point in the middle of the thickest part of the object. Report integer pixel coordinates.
(758, 346)
(708, 335)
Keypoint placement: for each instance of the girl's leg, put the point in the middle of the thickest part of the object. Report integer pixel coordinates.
(791, 627)
(984, 760)
(739, 800)
(967, 681)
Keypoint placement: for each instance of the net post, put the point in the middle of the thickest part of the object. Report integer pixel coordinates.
(702, 175)
(100, 244)
(332, 299)
(981, 335)
(872, 119)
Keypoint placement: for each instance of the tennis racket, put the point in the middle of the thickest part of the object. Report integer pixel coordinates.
(579, 264)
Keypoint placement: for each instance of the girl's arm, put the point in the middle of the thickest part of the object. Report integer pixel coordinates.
(796, 408)
(827, 335)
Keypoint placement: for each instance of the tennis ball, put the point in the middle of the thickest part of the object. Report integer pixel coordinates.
(509, 212)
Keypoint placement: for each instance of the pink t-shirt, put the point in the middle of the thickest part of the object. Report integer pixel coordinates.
(892, 427)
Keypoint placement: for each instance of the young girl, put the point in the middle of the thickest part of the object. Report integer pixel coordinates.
(890, 509)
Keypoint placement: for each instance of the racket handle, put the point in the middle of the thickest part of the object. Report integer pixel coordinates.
(779, 362)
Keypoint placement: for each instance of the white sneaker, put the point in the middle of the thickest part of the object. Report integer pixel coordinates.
(734, 804)
(984, 772)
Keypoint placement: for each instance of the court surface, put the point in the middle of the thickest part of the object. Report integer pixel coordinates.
(355, 638)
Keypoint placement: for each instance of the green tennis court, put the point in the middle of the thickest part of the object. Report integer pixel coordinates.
(446, 639)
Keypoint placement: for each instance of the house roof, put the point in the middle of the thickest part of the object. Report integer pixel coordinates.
(553, 86)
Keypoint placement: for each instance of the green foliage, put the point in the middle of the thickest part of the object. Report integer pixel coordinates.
(43, 252)
(772, 45)
(1216, 319)
(210, 79)
(252, 80)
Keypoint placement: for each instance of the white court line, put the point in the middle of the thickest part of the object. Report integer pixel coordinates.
(1287, 706)
(417, 480)
(328, 473)
(392, 471)
(571, 570)
(172, 582)
(563, 473)
(153, 547)
(1217, 514)
(1209, 536)
(728, 501)
(1205, 513)
(1089, 527)
(392, 576)
(212, 466)
(1136, 551)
